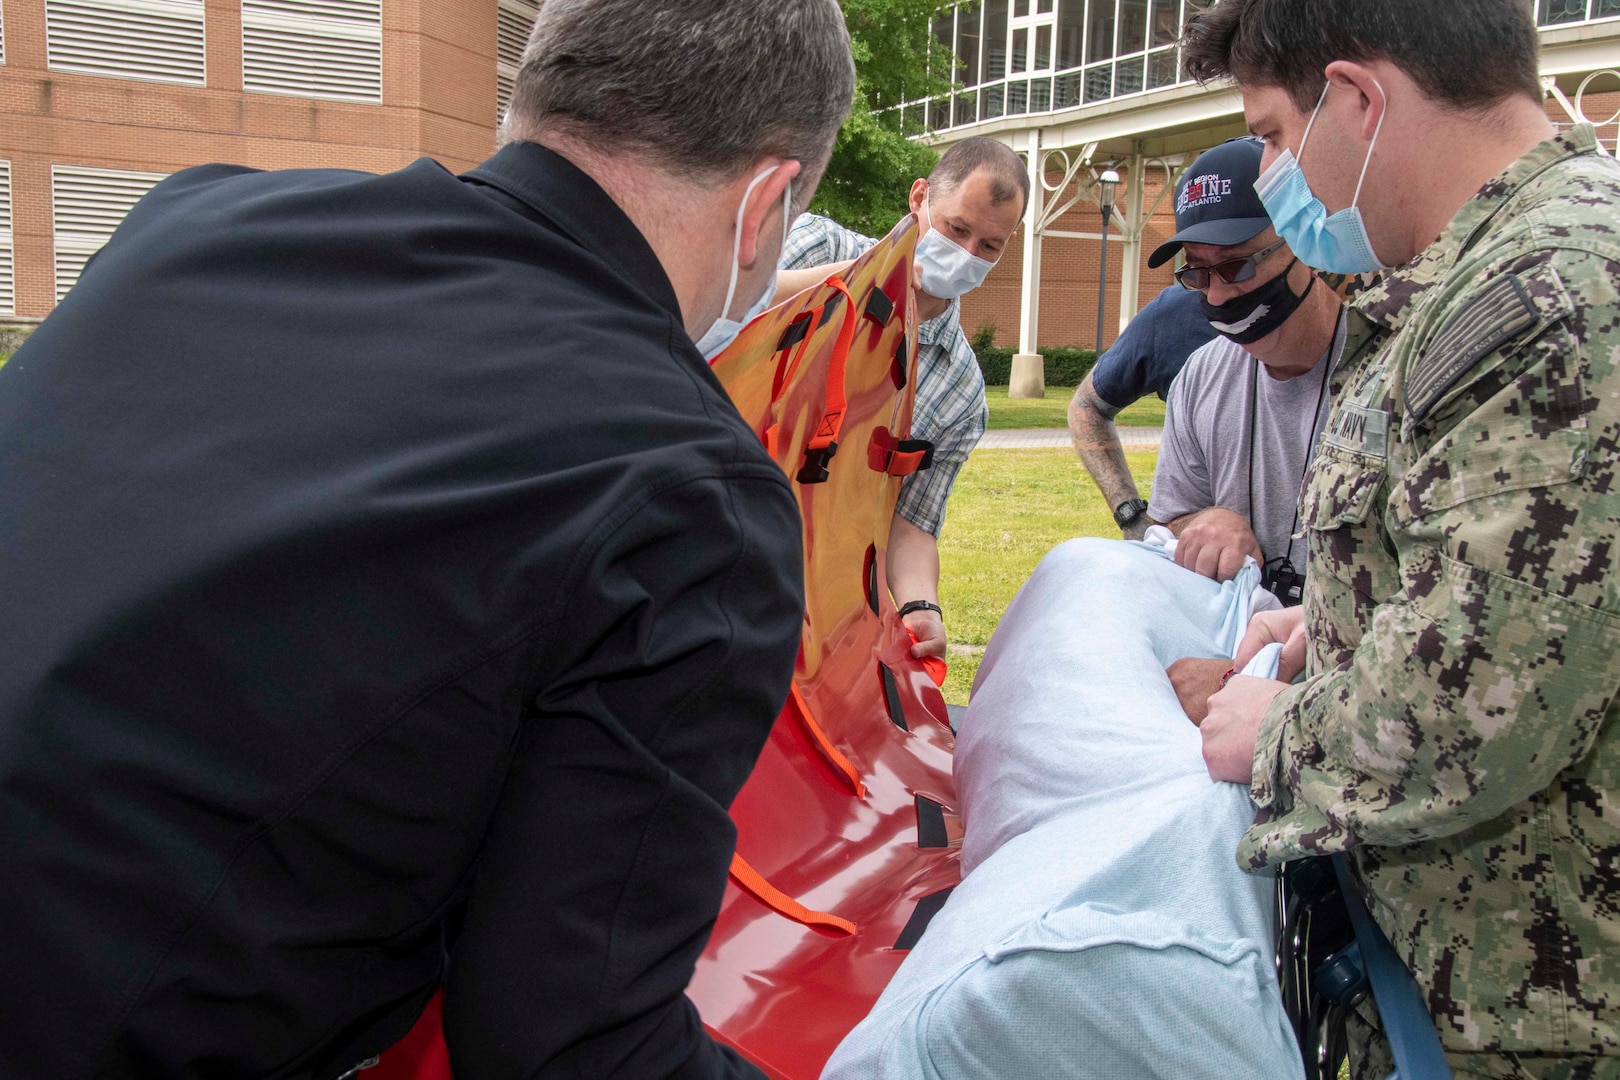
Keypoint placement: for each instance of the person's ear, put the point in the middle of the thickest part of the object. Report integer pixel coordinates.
(919, 197)
(1359, 78)
(764, 209)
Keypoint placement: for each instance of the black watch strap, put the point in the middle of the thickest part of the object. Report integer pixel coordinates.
(1128, 512)
(920, 605)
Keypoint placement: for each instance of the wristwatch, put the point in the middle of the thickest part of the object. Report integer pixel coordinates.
(1126, 513)
(920, 605)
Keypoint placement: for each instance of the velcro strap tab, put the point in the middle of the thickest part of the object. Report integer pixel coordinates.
(898, 457)
(794, 333)
(921, 915)
(931, 832)
(879, 308)
(831, 306)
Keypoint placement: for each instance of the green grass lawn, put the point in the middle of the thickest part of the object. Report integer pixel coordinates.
(1009, 508)
(1052, 411)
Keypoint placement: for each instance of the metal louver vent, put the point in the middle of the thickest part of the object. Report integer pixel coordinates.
(8, 281)
(86, 206)
(157, 40)
(313, 48)
(2, 33)
(514, 19)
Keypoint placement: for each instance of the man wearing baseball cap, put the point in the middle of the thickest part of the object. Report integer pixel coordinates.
(1245, 414)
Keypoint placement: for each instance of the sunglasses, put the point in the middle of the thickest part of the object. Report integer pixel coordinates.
(1232, 271)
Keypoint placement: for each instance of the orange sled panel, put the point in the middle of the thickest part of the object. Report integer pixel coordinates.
(847, 827)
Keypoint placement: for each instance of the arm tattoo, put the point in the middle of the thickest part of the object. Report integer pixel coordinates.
(1091, 424)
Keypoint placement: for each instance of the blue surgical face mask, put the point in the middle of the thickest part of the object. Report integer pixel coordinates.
(723, 331)
(1336, 243)
(948, 268)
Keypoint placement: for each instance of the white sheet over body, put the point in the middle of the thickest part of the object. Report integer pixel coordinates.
(1103, 928)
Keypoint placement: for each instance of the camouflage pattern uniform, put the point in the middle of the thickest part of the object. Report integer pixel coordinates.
(1458, 731)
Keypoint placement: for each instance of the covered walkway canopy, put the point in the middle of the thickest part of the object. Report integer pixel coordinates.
(1081, 86)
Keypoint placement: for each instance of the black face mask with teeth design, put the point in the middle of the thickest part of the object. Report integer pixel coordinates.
(1248, 318)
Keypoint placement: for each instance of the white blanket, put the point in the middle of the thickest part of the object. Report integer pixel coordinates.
(1103, 928)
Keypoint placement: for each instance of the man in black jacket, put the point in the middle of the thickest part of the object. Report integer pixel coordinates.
(392, 596)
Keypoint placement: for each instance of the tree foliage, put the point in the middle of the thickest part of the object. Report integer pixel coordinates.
(874, 161)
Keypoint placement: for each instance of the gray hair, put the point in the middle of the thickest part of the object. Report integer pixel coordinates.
(699, 86)
(1005, 170)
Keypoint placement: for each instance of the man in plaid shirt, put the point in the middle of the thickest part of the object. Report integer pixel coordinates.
(968, 207)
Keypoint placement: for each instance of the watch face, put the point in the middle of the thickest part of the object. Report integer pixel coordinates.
(1128, 512)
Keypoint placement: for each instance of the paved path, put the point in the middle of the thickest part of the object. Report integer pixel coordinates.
(1132, 438)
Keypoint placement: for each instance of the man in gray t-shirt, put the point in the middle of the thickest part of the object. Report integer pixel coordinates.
(1245, 413)
(1224, 404)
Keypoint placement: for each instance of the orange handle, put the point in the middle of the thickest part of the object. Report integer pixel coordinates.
(752, 882)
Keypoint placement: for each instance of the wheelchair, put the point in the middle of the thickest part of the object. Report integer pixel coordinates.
(1318, 963)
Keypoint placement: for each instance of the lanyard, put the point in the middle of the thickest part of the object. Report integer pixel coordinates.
(1316, 419)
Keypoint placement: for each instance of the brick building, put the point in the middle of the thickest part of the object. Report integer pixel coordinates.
(99, 99)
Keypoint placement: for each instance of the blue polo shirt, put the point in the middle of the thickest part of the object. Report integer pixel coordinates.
(1150, 353)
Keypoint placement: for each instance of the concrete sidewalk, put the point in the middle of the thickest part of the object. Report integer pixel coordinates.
(1131, 438)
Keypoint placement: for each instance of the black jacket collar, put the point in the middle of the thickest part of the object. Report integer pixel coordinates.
(564, 195)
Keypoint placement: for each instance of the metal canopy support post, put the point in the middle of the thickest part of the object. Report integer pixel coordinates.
(1130, 272)
(1028, 369)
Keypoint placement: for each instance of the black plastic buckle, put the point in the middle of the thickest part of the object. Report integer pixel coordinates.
(815, 464)
(1280, 579)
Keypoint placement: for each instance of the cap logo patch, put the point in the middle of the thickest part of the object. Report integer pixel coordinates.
(1201, 191)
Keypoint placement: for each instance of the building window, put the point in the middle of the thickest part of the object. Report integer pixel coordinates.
(156, 40)
(1016, 57)
(86, 206)
(513, 21)
(313, 48)
(1037, 56)
(8, 280)
(1559, 12)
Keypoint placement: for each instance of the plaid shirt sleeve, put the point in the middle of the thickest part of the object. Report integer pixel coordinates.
(817, 241)
(951, 413)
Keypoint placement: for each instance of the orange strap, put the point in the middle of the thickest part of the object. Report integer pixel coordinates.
(750, 881)
(898, 457)
(786, 367)
(834, 758)
(832, 420)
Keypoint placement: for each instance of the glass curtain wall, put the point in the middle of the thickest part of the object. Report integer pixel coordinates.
(1560, 12)
(1017, 57)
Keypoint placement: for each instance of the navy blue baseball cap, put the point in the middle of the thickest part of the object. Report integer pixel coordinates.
(1216, 201)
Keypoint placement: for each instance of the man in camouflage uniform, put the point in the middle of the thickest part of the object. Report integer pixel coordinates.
(1456, 730)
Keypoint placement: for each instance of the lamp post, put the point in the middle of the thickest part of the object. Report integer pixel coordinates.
(1106, 183)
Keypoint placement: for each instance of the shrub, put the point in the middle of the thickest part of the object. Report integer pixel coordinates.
(11, 339)
(1064, 366)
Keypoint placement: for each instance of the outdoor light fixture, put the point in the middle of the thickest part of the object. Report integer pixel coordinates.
(1106, 184)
